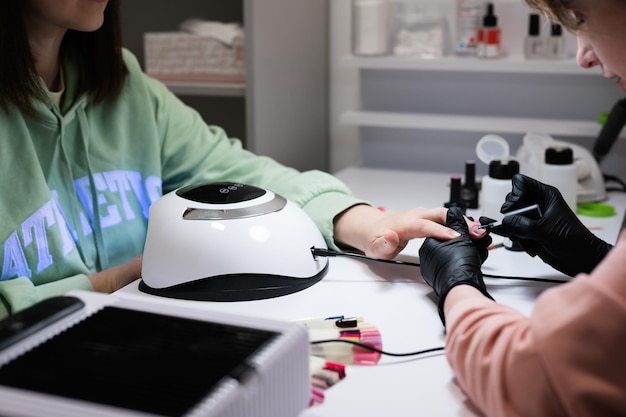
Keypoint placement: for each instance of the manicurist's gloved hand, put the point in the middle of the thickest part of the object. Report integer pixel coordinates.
(559, 238)
(446, 264)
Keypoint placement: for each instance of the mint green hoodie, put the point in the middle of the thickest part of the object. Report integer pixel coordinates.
(77, 184)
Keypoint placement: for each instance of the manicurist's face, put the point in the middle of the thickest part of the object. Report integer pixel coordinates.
(602, 36)
(80, 15)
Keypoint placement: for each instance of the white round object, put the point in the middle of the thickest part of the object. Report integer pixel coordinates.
(491, 147)
(229, 242)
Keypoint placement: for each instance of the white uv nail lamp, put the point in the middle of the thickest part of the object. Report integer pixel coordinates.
(227, 241)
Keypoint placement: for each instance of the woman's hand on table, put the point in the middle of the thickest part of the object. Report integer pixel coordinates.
(384, 235)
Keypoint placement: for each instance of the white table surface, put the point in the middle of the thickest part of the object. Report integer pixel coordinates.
(396, 300)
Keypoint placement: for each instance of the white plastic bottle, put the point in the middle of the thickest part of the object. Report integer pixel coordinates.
(559, 170)
(469, 15)
(496, 185)
(370, 27)
(495, 188)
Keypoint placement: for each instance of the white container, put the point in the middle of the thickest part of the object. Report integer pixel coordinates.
(559, 171)
(370, 27)
(418, 29)
(469, 14)
(495, 186)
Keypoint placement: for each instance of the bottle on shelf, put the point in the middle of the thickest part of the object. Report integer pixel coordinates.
(555, 43)
(468, 15)
(533, 43)
(488, 35)
(370, 27)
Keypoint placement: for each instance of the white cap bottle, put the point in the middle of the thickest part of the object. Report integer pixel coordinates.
(496, 186)
(559, 170)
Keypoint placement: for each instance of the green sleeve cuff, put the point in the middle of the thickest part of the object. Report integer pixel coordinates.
(20, 293)
(325, 208)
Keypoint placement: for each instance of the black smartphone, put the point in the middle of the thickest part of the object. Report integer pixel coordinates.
(32, 319)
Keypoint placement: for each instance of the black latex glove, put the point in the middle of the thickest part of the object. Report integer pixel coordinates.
(559, 238)
(446, 264)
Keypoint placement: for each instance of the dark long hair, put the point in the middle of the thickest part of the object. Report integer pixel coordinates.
(98, 55)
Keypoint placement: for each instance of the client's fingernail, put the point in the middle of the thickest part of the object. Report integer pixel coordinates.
(453, 233)
(478, 230)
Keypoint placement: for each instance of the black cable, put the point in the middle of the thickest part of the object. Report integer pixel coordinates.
(610, 131)
(373, 349)
(612, 178)
(548, 280)
(330, 253)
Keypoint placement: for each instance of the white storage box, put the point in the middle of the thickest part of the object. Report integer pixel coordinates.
(132, 358)
(180, 56)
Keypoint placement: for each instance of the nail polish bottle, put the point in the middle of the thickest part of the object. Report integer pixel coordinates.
(533, 44)
(455, 195)
(489, 35)
(496, 185)
(555, 44)
(469, 189)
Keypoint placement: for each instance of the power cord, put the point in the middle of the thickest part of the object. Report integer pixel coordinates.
(548, 280)
(331, 253)
(612, 178)
(373, 349)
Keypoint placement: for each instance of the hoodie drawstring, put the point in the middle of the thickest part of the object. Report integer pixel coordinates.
(101, 250)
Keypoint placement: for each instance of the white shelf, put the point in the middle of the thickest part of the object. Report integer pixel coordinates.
(197, 88)
(465, 64)
(461, 123)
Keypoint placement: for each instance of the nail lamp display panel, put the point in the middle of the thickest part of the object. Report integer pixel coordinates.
(229, 242)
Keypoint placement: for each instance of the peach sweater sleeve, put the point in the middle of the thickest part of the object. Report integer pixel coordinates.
(566, 359)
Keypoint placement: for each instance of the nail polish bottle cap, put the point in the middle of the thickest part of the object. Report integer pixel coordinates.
(469, 189)
(470, 173)
(533, 24)
(455, 194)
(556, 29)
(490, 20)
(503, 170)
(559, 156)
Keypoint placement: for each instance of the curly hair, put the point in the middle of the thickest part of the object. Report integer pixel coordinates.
(557, 11)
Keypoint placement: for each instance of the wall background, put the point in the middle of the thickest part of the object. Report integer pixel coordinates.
(575, 97)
